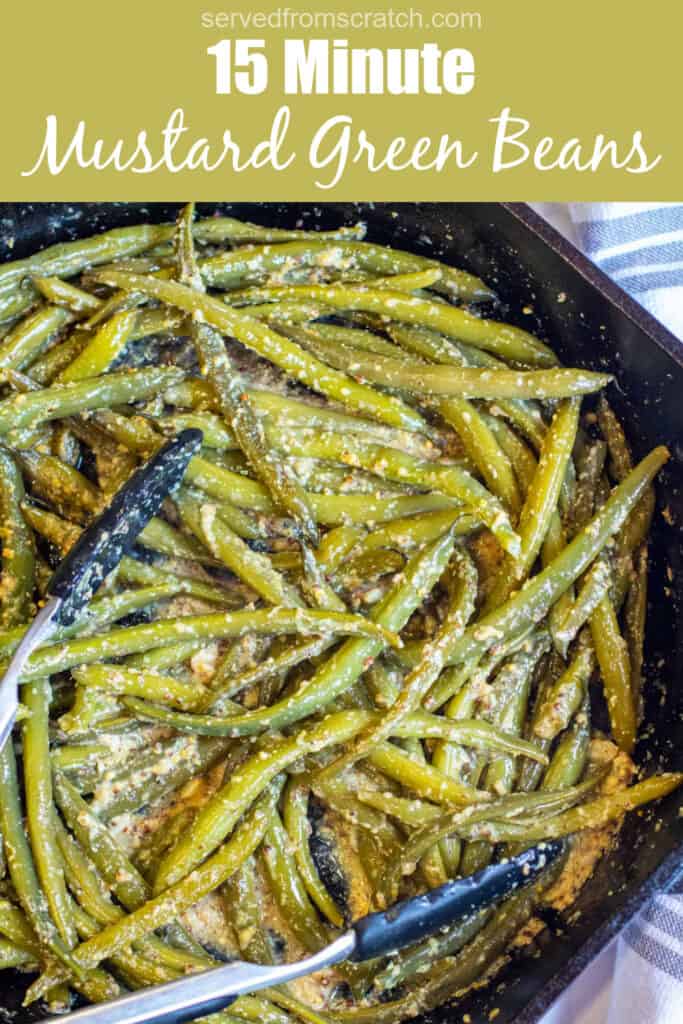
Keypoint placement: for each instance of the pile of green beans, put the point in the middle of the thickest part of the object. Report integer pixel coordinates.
(368, 627)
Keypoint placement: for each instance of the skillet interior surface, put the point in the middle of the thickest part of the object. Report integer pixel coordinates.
(546, 286)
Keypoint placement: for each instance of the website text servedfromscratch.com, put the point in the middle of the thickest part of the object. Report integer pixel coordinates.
(320, 21)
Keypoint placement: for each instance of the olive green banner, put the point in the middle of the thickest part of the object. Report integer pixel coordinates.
(457, 99)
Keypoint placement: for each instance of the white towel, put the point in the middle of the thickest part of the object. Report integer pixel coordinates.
(647, 987)
(638, 977)
(640, 246)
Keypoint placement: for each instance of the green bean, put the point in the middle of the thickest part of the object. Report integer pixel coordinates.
(509, 705)
(508, 342)
(234, 401)
(243, 903)
(431, 664)
(225, 485)
(634, 625)
(345, 666)
(237, 490)
(83, 396)
(435, 347)
(462, 382)
(416, 724)
(13, 956)
(220, 229)
(132, 571)
(302, 1011)
(450, 480)
(288, 888)
(351, 337)
(25, 341)
(221, 813)
(104, 348)
(571, 753)
(612, 431)
(416, 960)
(590, 470)
(532, 603)
(21, 866)
(366, 509)
(594, 814)
(103, 849)
(133, 639)
(218, 817)
(67, 259)
(80, 755)
(298, 828)
(408, 533)
(18, 559)
(64, 534)
(594, 586)
(38, 788)
(473, 823)
(16, 300)
(457, 974)
(369, 565)
(612, 655)
(259, 1010)
(117, 870)
(275, 665)
(337, 544)
(161, 909)
(101, 612)
(275, 347)
(409, 811)
(483, 450)
(215, 432)
(93, 897)
(133, 791)
(47, 367)
(73, 495)
(160, 658)
(253, 568)
(14, 926)
(541, 500)
(195, 393)
(565, 696)
(138, 682)
(286, 411)
(234, 269)
(520, 455)
(415, 282)
(61, 293)
(165, 539)
(133, 969)
(424, 779)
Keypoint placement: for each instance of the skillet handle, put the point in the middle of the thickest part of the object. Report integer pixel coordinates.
(406, 923)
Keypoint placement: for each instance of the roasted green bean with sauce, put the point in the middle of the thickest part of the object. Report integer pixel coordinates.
(359, 651)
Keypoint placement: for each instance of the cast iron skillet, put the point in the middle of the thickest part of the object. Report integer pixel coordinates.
(546, 286)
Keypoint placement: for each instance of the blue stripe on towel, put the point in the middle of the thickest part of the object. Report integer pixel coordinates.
(667, 252)
(649, 280)
(664, 917)
(603, 234)
(657, 954)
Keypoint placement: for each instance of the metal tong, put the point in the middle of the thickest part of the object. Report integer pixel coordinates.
(95, 554)
(372, 936)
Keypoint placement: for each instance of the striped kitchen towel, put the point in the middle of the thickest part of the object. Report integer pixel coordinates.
(647, 987)
(640, 246)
